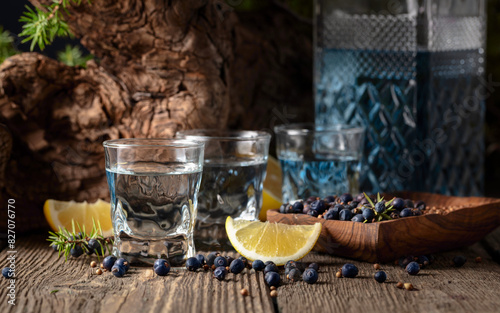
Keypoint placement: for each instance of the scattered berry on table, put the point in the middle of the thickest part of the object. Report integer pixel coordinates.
(118, 270)
(345, 215)
(93, 264)
(310, 276)
(270, 268)
(200, 258)
(244, 292)
(88, 251)
(294, 275)
(6, 272)
(314, 265)
(358, 218)
(93, 244)
(273, 293)
(161, 267)
(291, 263)
(403, 261)
(211, 258)
(423, 261)
(123, 262)
(376, 266)
(108, 262)
(349, 270)
(220, 273)
(54, 247)
(380, 276)
(297, 207)
(408, 286)
(413, 268)
(269, 262)
(76, 251)
(459, 260)
(237, 266)
(98, 271)
(416, 212)
(272, 279)
(400, 285)
(229, 259)
(220, 261)
(258, 265)
(398, 204)
(406, 213)
(192, 264)
(244, 260)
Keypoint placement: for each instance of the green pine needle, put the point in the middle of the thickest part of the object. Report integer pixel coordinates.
(43, 25)
(6, 45)
(73, 56)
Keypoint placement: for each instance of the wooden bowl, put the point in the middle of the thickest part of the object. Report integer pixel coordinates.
(463, 221)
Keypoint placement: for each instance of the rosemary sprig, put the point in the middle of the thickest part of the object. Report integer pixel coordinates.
(66, 240)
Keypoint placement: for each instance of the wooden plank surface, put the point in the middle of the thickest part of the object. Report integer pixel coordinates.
(40, 272)
(441, 288)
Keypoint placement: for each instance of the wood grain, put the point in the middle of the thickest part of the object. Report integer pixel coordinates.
(466, 220)
(80, 290)
(440, 287)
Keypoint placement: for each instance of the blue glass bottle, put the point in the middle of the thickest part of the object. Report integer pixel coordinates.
(412, 73)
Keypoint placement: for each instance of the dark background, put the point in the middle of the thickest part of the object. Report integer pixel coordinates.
(12, 10)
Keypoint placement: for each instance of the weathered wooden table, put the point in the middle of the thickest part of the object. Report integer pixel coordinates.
(45, 283)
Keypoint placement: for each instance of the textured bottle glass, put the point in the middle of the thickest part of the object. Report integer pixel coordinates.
(411, 72)
(154, 185)
(233, 175)
(319, 160)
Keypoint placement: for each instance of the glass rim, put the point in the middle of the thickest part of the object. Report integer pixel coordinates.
(152, 142)
(231, 135)
(309, 128)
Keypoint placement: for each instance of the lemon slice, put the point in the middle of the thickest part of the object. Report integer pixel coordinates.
(60, 213)
(271, 195)
(271, 241)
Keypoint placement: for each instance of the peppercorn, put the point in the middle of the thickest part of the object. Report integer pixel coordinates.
(273, 294)
(408, 286)
(244, 292)
(376, 266)
(98, 271)
(93, 264)
(400, 285)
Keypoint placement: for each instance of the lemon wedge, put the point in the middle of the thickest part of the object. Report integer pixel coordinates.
(271, 195)
(271, 241)
(60, 213)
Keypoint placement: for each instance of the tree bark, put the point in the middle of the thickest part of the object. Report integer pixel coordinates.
(161, 66)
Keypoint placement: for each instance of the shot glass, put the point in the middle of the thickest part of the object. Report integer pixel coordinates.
(319, 160)
(154, 185)
(233, 174)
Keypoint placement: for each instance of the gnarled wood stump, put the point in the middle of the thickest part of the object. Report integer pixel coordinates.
(161, 66)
